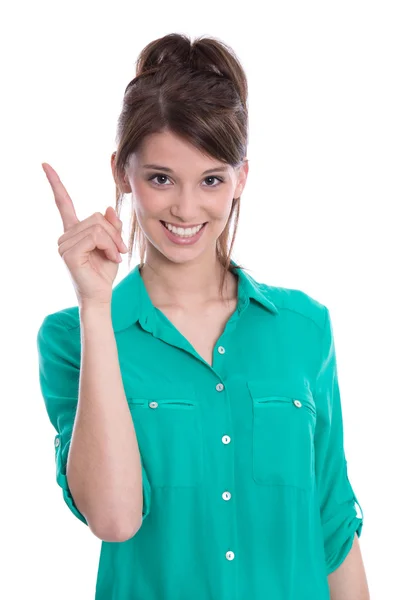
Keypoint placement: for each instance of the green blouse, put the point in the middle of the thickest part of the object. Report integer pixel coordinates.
(246, 494)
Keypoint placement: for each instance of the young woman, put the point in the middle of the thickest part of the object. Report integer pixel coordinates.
(197, 410)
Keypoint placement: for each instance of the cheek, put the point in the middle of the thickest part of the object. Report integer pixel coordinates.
(221, 207)
(142, 193)
(146, 203)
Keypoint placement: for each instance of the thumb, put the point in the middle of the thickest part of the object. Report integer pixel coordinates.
(113, 218)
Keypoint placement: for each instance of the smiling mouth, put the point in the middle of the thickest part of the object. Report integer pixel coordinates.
(184, 226)
(185, 233)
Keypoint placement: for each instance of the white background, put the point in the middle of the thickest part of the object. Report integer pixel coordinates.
(318, 213)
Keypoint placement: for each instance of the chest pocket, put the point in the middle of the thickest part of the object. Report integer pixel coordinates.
(169, 432)
(284, 419)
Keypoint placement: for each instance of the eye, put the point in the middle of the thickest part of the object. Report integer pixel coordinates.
(219, 179)
(156, 175)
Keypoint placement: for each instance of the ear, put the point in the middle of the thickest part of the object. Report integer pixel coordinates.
(242, 177)
(123, 185)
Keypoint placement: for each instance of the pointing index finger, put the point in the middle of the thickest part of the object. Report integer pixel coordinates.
(63, 200)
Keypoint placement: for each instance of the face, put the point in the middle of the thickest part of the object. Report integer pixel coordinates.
(191, 189)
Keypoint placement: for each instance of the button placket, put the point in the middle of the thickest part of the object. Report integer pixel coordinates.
(225, 440)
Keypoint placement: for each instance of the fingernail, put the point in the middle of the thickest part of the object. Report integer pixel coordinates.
(124, 246)
(119, 258)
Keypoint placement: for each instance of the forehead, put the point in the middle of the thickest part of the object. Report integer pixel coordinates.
(169, 150)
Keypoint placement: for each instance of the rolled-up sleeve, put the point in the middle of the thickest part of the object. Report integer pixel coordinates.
(337, 499)
(59, 365)
(59, 368)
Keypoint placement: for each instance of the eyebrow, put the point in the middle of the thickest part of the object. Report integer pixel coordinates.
(168, 170)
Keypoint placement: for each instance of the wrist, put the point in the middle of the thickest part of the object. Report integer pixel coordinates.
(96, 308)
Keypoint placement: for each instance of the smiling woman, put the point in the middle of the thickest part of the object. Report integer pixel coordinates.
(199, 437)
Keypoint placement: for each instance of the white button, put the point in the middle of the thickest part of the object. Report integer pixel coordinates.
(226, 439)
(226, 495)
(230, 555)
(57, 442)
(219, 387)
(153, 404)
(297, 403)
(221, 349)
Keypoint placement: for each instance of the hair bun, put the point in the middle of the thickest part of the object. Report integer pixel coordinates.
(172, 50)
(176, 51)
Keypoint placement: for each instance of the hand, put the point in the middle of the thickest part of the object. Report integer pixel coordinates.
(90, 248)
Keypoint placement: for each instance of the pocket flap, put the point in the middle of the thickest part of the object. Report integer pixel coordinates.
(162, 392)
(265, 388)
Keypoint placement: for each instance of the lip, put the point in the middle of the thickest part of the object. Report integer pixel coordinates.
(183, 226)
(183, 241)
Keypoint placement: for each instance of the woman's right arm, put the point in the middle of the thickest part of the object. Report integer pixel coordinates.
(104, 468)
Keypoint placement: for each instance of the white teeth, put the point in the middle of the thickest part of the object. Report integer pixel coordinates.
(183, 232)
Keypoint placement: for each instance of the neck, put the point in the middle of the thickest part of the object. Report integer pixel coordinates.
(186, 285)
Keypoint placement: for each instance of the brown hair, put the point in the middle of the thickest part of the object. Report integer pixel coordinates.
(197, 91)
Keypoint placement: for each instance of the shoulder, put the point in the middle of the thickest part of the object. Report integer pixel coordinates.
(296, 303)
(67, 318)
(60, 330)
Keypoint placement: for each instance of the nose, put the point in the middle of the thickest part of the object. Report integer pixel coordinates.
(186, 210)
